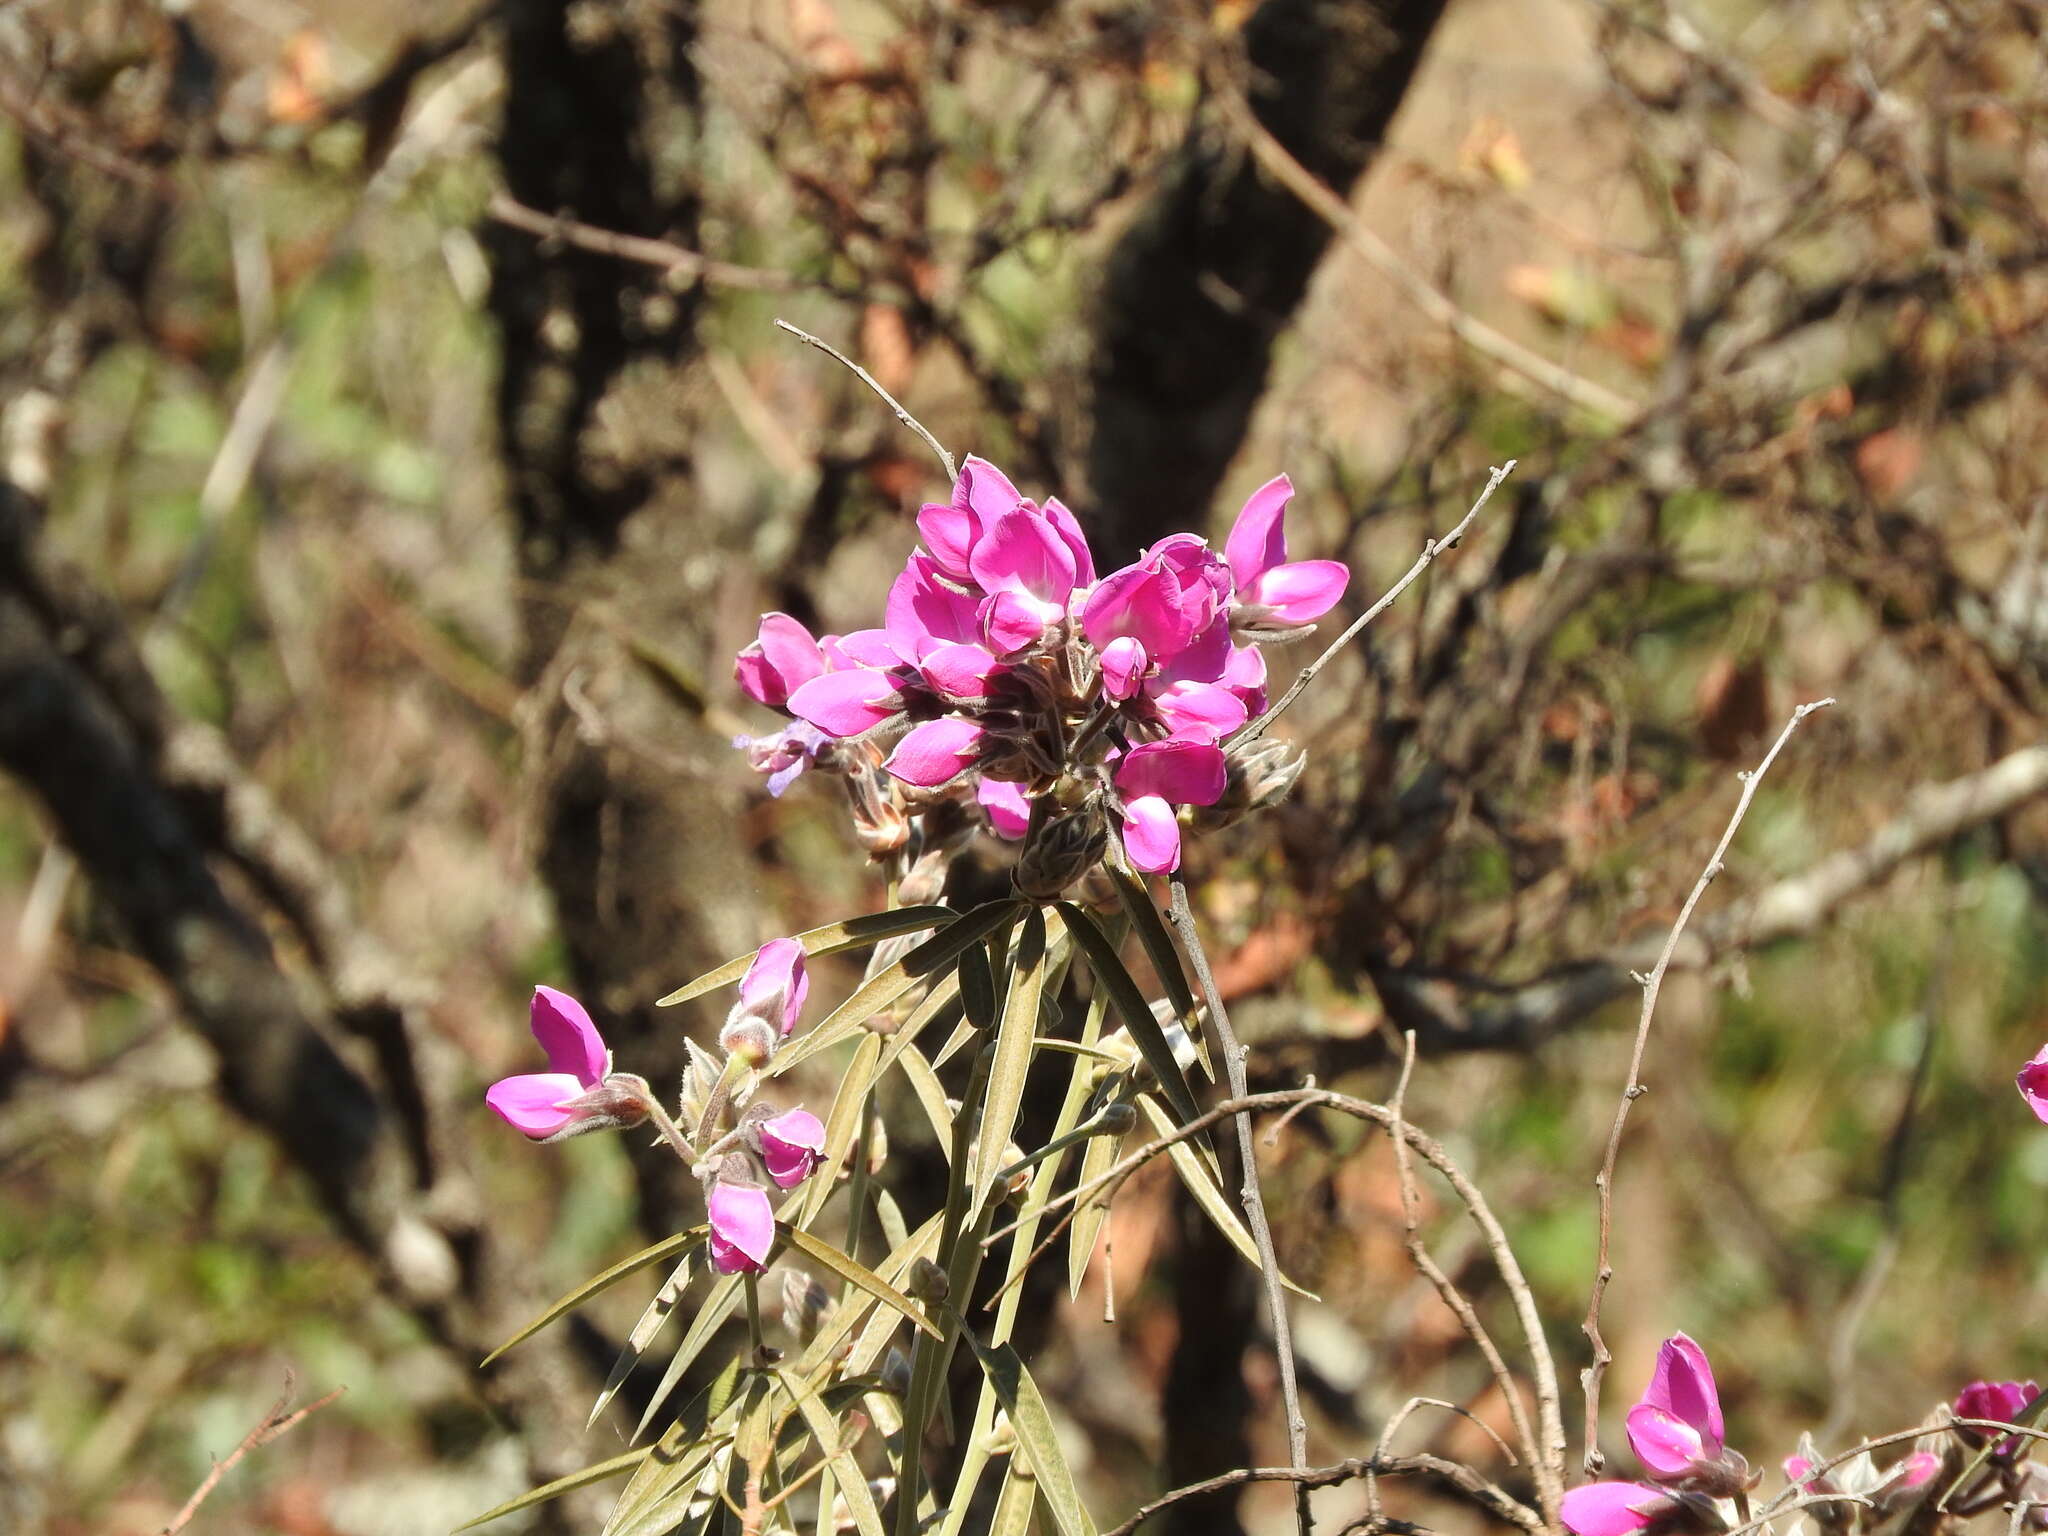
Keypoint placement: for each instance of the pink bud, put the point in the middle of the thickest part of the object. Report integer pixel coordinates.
(1612, 1509)
(936, 752)
(792, 1145)
(742, 1227)
(1124, 664)
(782, 657)
(776, 984)
(848, 703)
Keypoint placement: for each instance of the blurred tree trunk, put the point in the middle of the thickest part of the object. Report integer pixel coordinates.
(1210, 274)
(600, 124)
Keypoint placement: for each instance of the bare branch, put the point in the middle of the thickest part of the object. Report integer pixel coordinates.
(274, 1423)
(1652, 983)
(1430, 551)
(902, 415)
(666, 255)
(1451, 1475)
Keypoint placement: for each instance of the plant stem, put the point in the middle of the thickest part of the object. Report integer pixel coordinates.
(1254, 1201)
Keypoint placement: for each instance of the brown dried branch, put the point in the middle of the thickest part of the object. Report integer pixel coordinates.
(274, 1423)
(1452, 1476)
(1653, 983)
(665, 255)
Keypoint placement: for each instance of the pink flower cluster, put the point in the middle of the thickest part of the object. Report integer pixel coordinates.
(1677, 1433)
(1007, 676)
(581, 1092)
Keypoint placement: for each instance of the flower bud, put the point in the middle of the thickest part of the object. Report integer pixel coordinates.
(928, 1282)
(804, 1304)
(1059, 852)
(749, 1038)
(895, 1372)
(1256, 777)
(1116, 1119)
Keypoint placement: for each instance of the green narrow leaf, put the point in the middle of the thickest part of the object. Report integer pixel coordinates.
(1037, 1441)
(665, 1302)
(978, 987)
(1092, 1211)
(561, 1485)
(854, 933)
(719, 1303)
(697, 1431)
(662, 1506)
(1132, 1007)
(876, 993)
(894, 1232)
(1195, 1174)
(824, 1253)
(1012, 1060)
(667, 1248)
(931, 1094)
(1016, 1502)
(860, 1503)
(1160, 949)
(842, 1128)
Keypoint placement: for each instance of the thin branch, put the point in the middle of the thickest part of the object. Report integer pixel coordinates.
(1250, 1195)
(902, 415)
(677, 260)
(1652, 984)
(1447, 1290)
(1454, 1475)
(274, 1423)
(1476, 334)
(1430, 550)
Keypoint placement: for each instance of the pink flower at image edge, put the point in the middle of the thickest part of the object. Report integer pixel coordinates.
(2033, 1084)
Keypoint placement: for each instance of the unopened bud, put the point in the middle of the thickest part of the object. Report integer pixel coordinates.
(616, 1104)
(1256, 777)
(804, 1303)
(879, 824)
(928, 1282)
(895, 1372)
(1061, 851)
(749, 1037)
(1116, 1119)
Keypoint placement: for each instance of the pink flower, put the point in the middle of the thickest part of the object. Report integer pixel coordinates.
(2000, 1400)
(1124, 664)
(1273, 594)
(545, 1104)
(1153, 779)
(776, 985)
(1676, 1429)
(1147, 603)
(783, 754)
(1006, 805)
(950, 530)
(1613, 1509)
(848, 703)
(2033, 1083)
(782, 657)
(936, 752)
(1028, 571)
(742, 1227)
(792, 1145)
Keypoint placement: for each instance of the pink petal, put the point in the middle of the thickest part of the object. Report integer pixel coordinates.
(923, 611)
(776, 984)
(742, 1228)
(1205, 658)
(1068, 527)
(1010, 621)
(1245, 675)
(984, 489)
(2033, 1083)
(936, 751)
(792, 1144)
(1683, 1386)
(1668, 1446)
(1144, 601)
(532, 1104)
(959, 671)
(949, 533)
(859, 648)
(782, 656)
(1022, 552)
(1797, 1470)
(1258, 539)
(1917, 1469)
(1151, 835)
(1124, 664)
(847, 703)
(1203, 577)
(1300, 593)
(565, 1032)
(1610, 1509)
(1007, 806)
(1185, 772)
(1200, 711)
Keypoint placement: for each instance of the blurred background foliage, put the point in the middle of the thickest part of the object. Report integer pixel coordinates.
(444, 509)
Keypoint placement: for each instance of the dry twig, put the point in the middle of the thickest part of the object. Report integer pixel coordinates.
(902, 415)
(1652, 983)
(274, 1423)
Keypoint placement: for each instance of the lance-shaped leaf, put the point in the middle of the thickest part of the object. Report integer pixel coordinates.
(624, 1462)
(667, 1248)
(931, 1094)
(1012, 1060)
(719, 1304)
(1090, 1211)
(978, 987)
(1143, 912)
(842, 1129)
(1131, 1006)
(825, 1428)
(880, 990)
(682, 1452)
(1016, 1502)
(665, 1301)
(850, 1269)
(1037, 1441)
(1201, 1183)
(854, 933)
